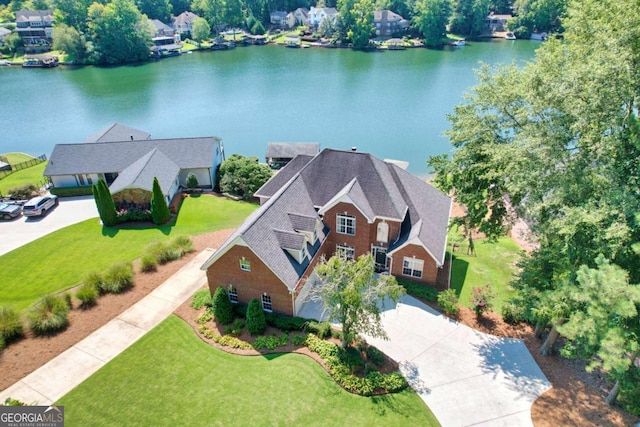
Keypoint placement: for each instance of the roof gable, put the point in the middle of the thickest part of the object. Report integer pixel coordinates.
(140, 174)
(117, 132)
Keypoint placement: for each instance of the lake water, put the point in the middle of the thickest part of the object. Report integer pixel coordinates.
(392, 104)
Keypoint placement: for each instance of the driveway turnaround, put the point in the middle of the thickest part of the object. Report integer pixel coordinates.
(466, 377)
(53, 380)
(22, 230)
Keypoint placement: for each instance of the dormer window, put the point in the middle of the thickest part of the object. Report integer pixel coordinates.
(346, 224)
(245, 264)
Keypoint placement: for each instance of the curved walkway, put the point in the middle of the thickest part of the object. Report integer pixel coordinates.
(466, 377)
(56, 378)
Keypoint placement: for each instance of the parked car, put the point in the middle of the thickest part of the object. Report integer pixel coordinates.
(9, 211)
(40, 206)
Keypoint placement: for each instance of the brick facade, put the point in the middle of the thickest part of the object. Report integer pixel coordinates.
(430, 269)
(250, 284)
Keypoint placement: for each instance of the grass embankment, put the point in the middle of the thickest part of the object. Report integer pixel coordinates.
(61, 259)
(15, 158)
(493, 263)
(170, 377)
(32, 175)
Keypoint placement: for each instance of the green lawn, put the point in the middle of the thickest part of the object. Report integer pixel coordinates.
(171, 378)
(494, 263)
(31, 175)
(15, 158)
(59, 260)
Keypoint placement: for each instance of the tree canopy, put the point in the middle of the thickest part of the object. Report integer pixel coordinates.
(352, 294)
(557, 139)
(242, 175)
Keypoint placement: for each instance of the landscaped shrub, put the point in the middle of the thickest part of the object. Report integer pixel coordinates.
(68, 300)
(256, 323)
(233, 342)
(271, 342)
(94, 279)
(222, 309)
(48, 316)
(204, 317)
(148, 263)
(482, 299)
(419, 290)
(513, 313)
(87, 294)
(159, 209)
(192, 181)
(201, 298)
(71, 191)
(322, 329)
(240, 310)
(118, 278)
(299, 339)
(24, 191)
(10, 325)
(238, 324)
(9, 401)
(375, 356)
(448, 302)
(286, 323)
(163, 252)
(182, 245)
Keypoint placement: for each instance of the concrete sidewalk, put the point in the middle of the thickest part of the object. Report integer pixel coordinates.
(53, 380)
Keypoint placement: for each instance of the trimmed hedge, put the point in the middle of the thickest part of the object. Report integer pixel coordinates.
(71, 191)
(419, 290)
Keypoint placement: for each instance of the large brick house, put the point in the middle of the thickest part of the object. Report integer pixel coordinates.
(342, 203)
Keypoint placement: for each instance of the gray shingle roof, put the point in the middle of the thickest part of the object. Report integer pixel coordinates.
(289, 150)
(117, 132)
(102, 157)
(378, 188)
(282, 177)
(303, 222)
(140, 173)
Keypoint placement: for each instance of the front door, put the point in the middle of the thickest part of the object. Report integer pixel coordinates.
(380, 258)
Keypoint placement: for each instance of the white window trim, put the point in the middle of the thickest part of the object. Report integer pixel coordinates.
(414, 265)
(342, 251)
(245, 264)
(270, 303)
(231, 291)
(346, 218)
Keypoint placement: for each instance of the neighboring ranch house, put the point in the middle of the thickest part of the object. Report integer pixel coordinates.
(317, 14)
(341, 203)
(281, 153)
(128, 160)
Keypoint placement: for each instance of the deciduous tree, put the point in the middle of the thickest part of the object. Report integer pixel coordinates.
(69, 40)
(201, 30)
(430, 19)
(352, 295)
(242, 175)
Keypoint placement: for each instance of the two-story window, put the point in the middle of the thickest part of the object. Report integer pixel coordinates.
(412, 267)
(346, 224)
(245, 264)
(233, 294)
(266, 303)
(345, 252)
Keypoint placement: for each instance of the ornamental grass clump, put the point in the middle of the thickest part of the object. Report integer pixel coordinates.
(94, 279)
(10, 325)
(182, 244)
(148, 263)
(118, 278)
(87, 294)
(49, 316)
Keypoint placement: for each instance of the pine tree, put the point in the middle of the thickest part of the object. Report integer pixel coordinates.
(159, 209)
(104, 203)
(222, 309)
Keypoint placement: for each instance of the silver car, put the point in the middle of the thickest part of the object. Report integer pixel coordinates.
(40, 206)
(9, 211)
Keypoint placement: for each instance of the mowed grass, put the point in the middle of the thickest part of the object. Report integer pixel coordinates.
(493, 263)
(15, 158)
(31, 175)
(61, 259)
(171, 378)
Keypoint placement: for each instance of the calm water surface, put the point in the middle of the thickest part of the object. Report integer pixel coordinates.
(392, 104)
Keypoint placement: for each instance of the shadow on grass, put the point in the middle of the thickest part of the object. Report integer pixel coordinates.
(459, 270)
(164, 229)
(391, 403)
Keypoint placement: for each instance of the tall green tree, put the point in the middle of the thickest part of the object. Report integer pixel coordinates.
(537, 15)
(159, 209)
(362, 30)
(242, 175)
(155, 9)
(557, 139)
(118, 32)
(212, 11)
(468, 16)
(69, 40)
(352, 294)
(201, 30)
(104, 203)
(72, 13)
(430, 19)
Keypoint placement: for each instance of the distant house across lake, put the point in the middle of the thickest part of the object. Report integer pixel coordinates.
(281, 153)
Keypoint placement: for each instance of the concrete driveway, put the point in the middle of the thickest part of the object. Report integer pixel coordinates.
(466, 377)
(22, 230)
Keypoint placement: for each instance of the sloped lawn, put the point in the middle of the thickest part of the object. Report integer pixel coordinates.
(31, 175)
(171, 378)
(60, 260)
